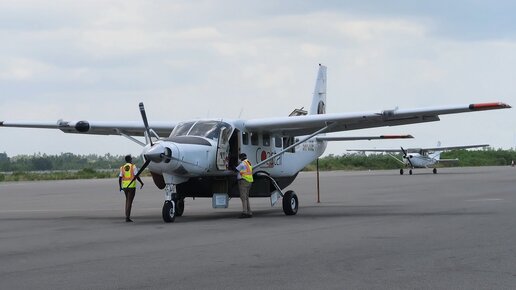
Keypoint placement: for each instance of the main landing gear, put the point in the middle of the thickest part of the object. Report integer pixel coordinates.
(409, 172)
(290, 203)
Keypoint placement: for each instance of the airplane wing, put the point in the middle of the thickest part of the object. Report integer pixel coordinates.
(354, 138)
(453, 147)
(131, 128)
(421, 149)
(286, 126)
(309, 124)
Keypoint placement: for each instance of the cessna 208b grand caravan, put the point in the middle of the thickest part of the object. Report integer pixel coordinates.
(421, 157)
(194, 158)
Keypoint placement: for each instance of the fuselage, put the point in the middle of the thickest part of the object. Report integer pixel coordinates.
(419, 161)
(211, 148)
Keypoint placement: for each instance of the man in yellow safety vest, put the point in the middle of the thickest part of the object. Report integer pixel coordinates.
(245, 180)
(127, 173)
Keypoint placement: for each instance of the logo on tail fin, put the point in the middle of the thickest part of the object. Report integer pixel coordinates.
(321, 108)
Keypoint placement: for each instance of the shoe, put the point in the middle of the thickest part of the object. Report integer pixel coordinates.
(245, 216)
(128, 220)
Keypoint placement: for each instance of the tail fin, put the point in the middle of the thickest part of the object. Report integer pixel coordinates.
(436, 154)
(319, 98)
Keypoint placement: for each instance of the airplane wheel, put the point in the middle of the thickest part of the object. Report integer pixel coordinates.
(180, 206)
(410, 171)
(401, 171)
(290, 203)
(434, 171)
(169, 214)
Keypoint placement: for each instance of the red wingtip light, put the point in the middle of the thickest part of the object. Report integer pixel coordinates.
(488, 106)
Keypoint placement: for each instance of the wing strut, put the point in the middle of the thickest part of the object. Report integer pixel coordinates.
(294, 145)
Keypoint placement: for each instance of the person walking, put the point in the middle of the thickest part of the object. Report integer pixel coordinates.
(127, 173)
(245, 180)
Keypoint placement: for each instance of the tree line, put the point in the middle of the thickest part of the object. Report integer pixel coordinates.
(359, 161)
(62, 162)
(25, 167)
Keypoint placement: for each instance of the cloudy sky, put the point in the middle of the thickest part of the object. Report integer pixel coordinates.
(96, 60)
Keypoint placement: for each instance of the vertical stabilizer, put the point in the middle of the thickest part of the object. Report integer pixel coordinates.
(436, 154)
(319, 98)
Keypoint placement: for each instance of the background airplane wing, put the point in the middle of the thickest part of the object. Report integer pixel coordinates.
(377, 150)
(131, 128)
(454, 147)
(354, 138)
(420, 150)
(308, 124)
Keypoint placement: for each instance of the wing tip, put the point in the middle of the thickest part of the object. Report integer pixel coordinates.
(489, 106)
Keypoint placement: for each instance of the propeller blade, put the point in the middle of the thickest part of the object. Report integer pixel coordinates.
(145, 123)
(140, 171)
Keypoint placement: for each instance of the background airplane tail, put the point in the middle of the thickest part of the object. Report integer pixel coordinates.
(436, 154)
(319, 98)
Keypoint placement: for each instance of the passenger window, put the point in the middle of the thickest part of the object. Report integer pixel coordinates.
(254, 138)
(245, 138)
(277, 142)
(266, 140)
(287, 141)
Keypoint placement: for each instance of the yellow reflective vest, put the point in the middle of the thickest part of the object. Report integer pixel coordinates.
(127, 173)
(247, 173)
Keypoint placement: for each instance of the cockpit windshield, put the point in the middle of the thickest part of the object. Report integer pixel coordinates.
(207, 129)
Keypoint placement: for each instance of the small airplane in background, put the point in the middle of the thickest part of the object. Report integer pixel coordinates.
(421, 157)
(196, 158)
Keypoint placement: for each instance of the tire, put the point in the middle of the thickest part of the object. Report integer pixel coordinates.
(401, 171)
(169, 214)
(290, 203)
(180, 207)
(434, 171)
(410, 171)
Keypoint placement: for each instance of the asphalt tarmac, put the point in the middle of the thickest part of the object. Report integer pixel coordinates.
(372, 230)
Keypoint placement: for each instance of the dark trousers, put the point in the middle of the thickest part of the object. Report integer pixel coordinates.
(129, 197)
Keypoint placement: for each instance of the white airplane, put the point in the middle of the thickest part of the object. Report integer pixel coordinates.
(421, 157)
(194, 158)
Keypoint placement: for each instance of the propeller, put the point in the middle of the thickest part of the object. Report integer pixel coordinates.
(147, 130)
(406, 157)
(145, 123)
